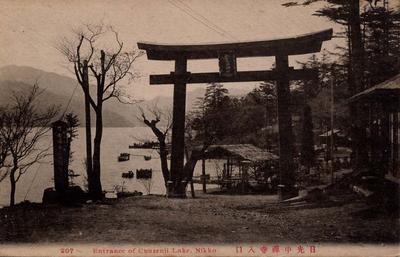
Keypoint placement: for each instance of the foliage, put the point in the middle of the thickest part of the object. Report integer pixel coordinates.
(4, 153)
(72, 131)
(22, 126)
(216, 105)
(307, 153)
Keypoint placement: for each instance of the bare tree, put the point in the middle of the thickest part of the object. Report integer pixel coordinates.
(4, 153)
(108, 67)
(22, 126)
(194, 148)
(161, 132)
(196, 143)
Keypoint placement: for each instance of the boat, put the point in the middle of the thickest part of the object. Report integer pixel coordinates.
(147, 157)
(144, 173)
(145, 145)
(123, 157)
(128, 174)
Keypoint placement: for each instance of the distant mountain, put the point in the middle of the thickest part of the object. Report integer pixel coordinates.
(47, 98)
(59, 89)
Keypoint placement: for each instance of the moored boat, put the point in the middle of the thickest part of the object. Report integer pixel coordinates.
(145, 145)
(128, 174)
(144, 173)
(123, 157)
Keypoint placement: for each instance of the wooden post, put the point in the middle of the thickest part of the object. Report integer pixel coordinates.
(178, 128)
(60, 157)
(395, 143)
(285, 126)
(203, 173)
(192, 189)
(380, 155)
(228, 178)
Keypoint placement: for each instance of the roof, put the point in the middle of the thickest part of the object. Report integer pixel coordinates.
(329, 133)
(339, 152)
(390, 87)
(301, 44)
(247, 152)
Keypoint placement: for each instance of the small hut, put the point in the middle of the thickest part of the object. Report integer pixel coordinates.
(246, 167)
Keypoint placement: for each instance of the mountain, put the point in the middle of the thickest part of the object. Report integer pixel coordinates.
(61, 90)
(64, 91)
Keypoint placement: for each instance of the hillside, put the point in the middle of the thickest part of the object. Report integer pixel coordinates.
(58, 90)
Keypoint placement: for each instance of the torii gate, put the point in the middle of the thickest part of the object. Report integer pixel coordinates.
(227, 53)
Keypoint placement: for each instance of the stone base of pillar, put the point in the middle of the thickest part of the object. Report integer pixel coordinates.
(176, 191)
(286, 192)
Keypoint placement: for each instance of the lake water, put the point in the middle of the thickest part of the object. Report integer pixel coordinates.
(115, 141)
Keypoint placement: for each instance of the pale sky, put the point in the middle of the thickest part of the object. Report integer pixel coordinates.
(29, 29)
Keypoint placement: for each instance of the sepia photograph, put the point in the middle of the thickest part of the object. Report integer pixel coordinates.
(199, 128)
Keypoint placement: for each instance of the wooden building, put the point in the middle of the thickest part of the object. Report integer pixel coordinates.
(382, 108)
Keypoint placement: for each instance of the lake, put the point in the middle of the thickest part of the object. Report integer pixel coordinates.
(115, 141)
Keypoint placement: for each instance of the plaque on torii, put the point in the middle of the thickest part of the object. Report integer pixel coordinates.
(227, 54)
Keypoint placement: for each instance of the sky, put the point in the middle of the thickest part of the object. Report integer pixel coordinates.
(30, 29)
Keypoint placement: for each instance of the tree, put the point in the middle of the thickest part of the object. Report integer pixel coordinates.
(161, 133)
(372, 56)
(72, 131)
(256, 114)
(347, 13)
(22, 126)
(217, 114)
(92, 58)
(4, 153)
(307, 156)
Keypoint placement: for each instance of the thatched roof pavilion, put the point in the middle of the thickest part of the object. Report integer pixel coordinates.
(387, 92)
(241, 152)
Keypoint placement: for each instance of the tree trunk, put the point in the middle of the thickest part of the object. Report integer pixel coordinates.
(163, 148)
(356, 51)
(192, 189)
(13, 184)
(188, 171)
(164, 160)
(203, 173)
(96, 186)
(89, 161)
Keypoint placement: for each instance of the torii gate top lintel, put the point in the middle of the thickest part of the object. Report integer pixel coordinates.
(301, 44)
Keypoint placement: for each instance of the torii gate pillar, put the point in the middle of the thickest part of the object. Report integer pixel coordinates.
(227, 55)
(178, 129)
(286, 148)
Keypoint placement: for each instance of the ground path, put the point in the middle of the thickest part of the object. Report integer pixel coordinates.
(206, 219)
